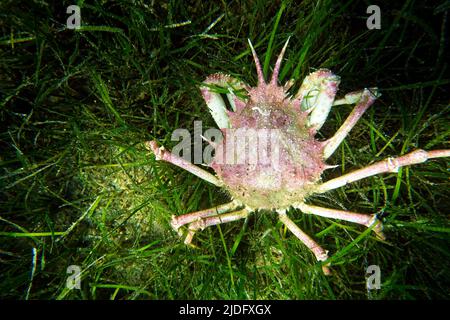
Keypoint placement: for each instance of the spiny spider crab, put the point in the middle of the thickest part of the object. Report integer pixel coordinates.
(301, 157)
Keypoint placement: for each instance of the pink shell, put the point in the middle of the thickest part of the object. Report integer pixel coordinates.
(299, 163)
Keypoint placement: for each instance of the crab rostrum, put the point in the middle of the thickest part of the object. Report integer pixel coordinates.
(269, 157)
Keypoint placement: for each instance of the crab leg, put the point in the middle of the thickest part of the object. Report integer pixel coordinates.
(162, 154)
(365, 100)
(387, 165)
(202, 223)
(319, 252)
(349, 98)
(365, 219)
(179, 221)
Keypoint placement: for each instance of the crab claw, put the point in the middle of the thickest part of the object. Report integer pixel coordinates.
(317, 94)
(215, 102)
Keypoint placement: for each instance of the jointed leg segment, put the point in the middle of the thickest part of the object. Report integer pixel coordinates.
(205, 218)
(387, 165)
(179, 221)
(364, 219)
(364, 100)
(203, 223)
(319, 252)
(162, 154)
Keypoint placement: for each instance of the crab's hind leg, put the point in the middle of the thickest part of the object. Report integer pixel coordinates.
(162, 154)
(214, 100)
(364, 100)
(207, 221)
(387, 165)
(319, 252)
(367, 220)
(179, 221)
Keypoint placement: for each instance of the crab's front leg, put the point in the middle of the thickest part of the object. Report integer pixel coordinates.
(162, 154)
(363, 99)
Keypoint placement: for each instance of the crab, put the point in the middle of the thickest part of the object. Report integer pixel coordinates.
(284, 181)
